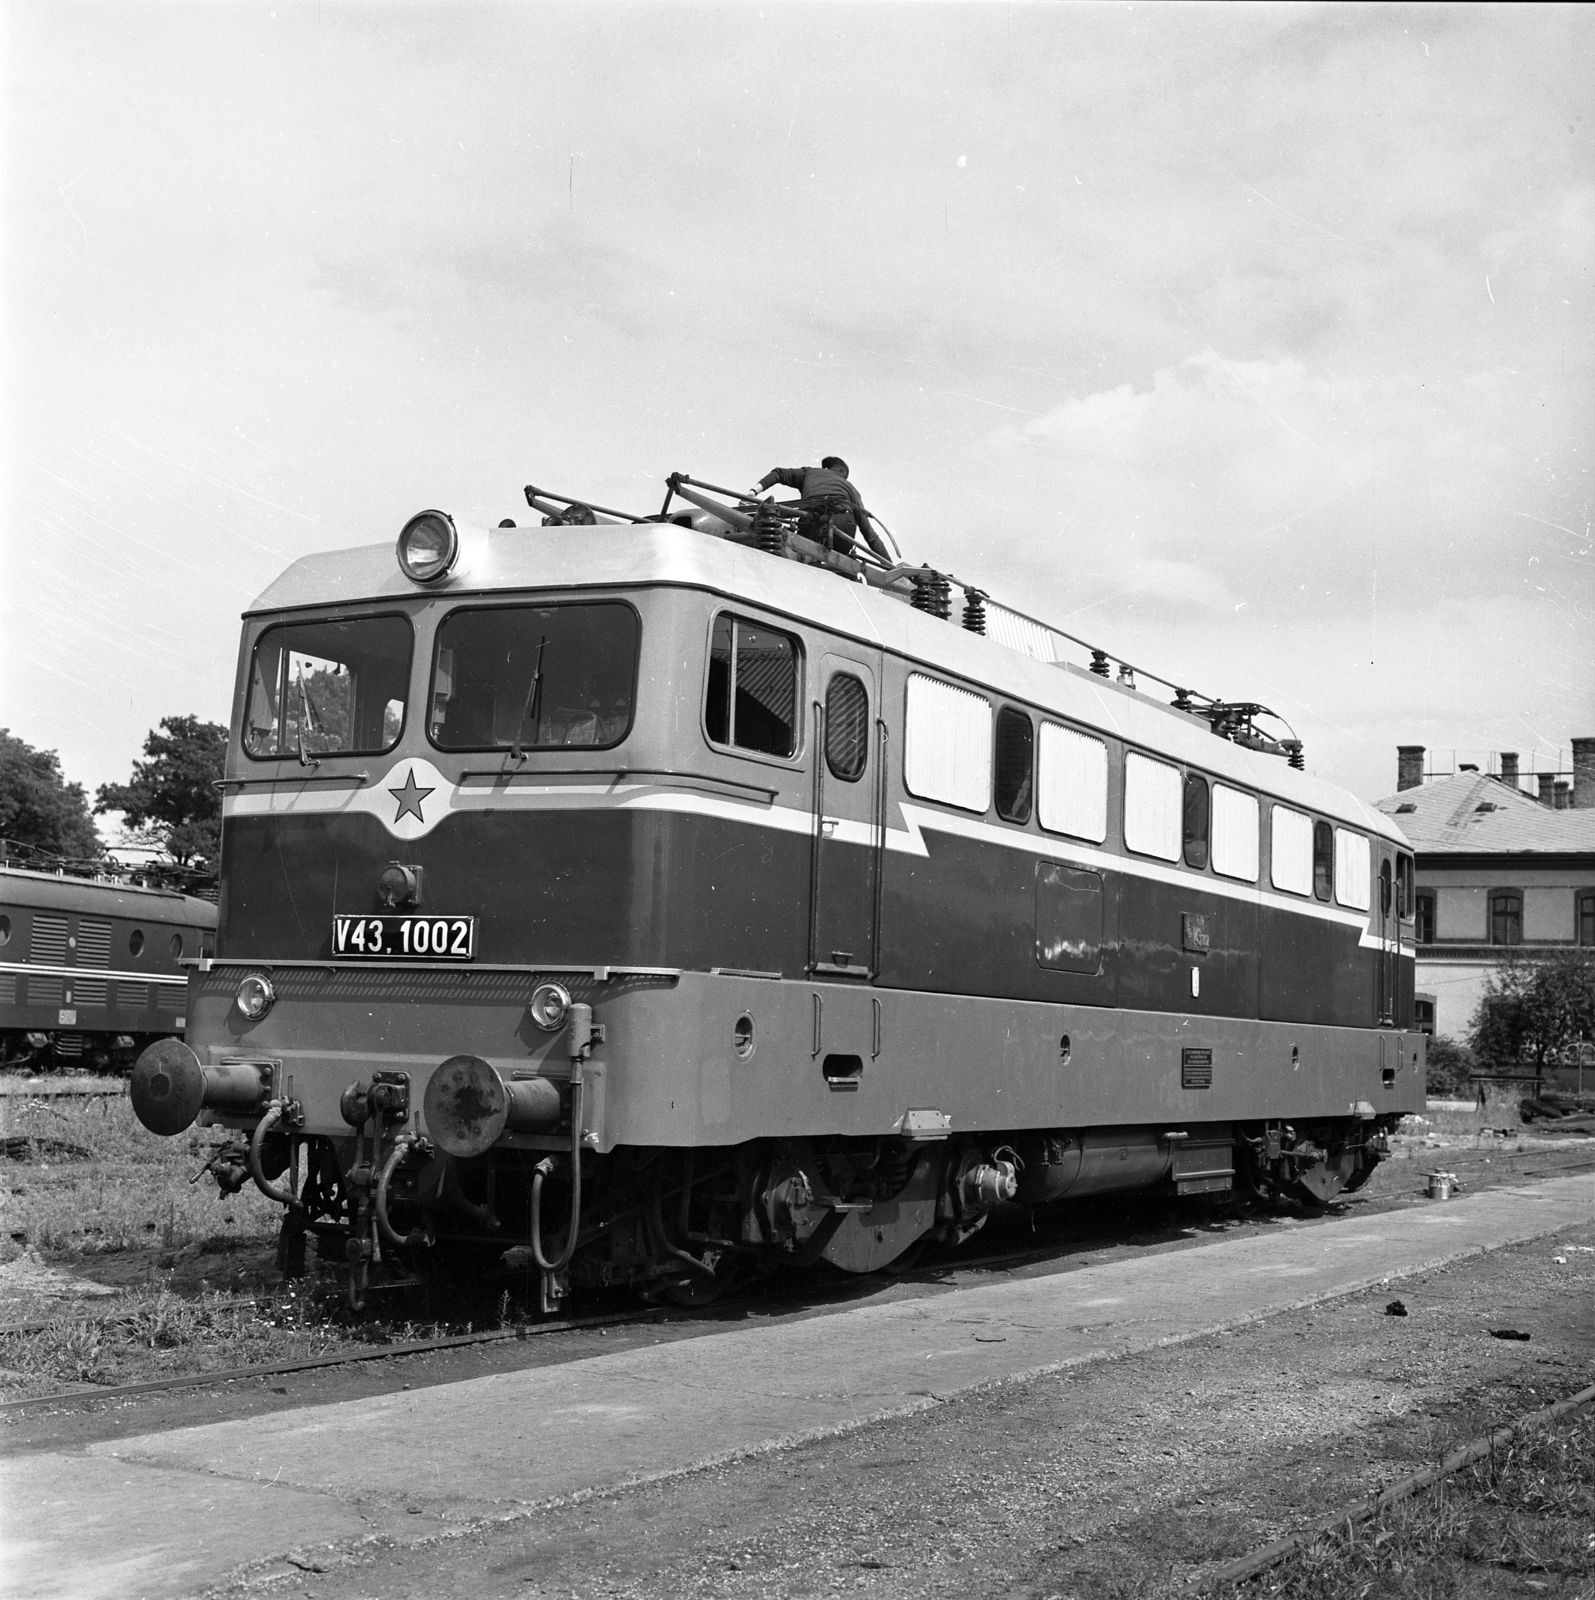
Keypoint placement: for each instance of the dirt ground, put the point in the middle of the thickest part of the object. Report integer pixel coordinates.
(1118, 1479)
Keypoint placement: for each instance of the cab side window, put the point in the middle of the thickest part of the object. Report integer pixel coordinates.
(752, 698)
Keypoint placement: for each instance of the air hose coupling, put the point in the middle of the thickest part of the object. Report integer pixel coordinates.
(423, 1235)
(288, 1113)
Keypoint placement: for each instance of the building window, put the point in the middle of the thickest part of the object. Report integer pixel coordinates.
(1423, 1015)
(1425, 916)
(1506, 917)
(1584, 918)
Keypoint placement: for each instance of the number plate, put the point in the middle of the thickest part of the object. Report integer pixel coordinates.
(406, 938)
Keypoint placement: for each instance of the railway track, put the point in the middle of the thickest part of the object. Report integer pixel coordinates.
(777, 1298)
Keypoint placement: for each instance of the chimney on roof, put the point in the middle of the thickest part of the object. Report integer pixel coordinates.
(1468, 766)
(1409, 766)
(1509, 768)
(1563, 794)
(1584, 774)
(1547, 783)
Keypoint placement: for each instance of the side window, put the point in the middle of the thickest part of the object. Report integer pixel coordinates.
(1323, 860)
(1015, 764)
(1425, 914)
(1235, 824)
(1353, 866)
(947, 744)
(1584, 919)
(1072, 790)
(1152, 807)
(1506, 917)
(1290, 865)
(753, 687)
(846, 727)
(1196, 819)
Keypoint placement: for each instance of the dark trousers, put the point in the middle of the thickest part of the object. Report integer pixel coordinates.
(828, 520)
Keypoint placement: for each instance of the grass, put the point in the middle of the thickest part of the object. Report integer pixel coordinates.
(1501, 1112)
(131, 1189)
(138, 1273)
(1519, 1522)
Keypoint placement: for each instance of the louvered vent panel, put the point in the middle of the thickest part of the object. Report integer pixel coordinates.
(8, 989)
(48, 946)
(44, 991)
(94, 944)
(88, 991)
(1019, 633)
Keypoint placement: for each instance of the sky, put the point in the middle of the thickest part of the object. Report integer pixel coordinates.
(1251, 343)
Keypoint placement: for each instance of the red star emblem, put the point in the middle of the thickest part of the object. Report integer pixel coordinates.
(410, 798)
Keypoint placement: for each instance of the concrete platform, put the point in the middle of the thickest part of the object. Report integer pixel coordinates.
(170, 1513)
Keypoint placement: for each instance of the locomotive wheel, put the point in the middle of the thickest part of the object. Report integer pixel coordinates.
(1324, 1181)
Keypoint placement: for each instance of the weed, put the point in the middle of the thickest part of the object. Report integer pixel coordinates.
(1528, 1509)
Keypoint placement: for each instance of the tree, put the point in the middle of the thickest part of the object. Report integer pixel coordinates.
(39, 809)
(1535, 1007)
(173, 795)
(1451, 1065)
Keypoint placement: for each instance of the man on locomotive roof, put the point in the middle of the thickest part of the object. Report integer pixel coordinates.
(830, 504)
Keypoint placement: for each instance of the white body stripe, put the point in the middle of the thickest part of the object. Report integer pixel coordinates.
(639, 794)
(96, 974)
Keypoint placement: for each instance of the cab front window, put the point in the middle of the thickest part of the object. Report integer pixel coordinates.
(534, 677)
(328, 688)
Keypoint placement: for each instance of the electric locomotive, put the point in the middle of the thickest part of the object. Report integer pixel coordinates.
(665, 900)
(90, 971)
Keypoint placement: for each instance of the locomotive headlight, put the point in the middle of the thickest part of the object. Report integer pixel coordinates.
(429, 546)
(256, 996)
(549, 1006)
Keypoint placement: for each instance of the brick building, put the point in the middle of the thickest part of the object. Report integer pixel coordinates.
(1497, 868)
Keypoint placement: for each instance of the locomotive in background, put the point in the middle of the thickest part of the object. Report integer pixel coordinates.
(678, 902)
(90, 971)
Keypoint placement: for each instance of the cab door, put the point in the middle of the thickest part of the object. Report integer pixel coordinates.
(849, 741)
(1388, 915)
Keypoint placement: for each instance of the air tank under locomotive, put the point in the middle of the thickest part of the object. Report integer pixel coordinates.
(680, 898)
